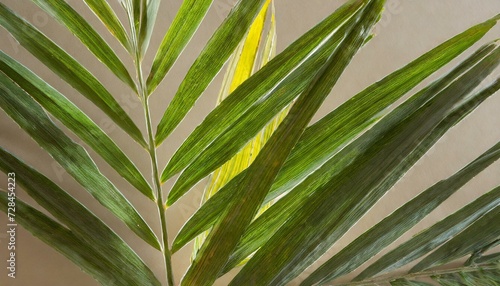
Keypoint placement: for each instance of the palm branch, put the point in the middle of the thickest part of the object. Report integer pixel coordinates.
(282, 191)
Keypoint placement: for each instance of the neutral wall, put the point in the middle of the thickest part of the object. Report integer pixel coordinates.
(407, 29)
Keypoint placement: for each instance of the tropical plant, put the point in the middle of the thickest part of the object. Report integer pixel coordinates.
(281, 191)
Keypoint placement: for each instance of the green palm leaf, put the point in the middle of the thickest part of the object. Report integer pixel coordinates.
(488, 275)
(149, 14)
(108, 17)
(495, 257)
(67, 16)
(136, 15)
(482, 275)
(332, 210)
(85, 229)
(434, 236)
(404, 282)
(475, 237)
(345, 120)
(68, 69)
(186, 22)
(71, 156)
(267, 164)
(385, 232)
(76, 250)
(73, 118)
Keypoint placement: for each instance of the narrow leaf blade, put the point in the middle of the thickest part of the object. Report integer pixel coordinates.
(405, 282)
(481, 275)
(434, 236)
(67, 68)
(258, 180)
(185, 24)
(474, 237)
(71, 156)
(385, 232)
(148, 23)
(62, 12)
(108, 17)
(73, 118)
(208, 64)
(106, 269)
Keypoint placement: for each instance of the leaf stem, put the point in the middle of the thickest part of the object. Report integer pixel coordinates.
(159, 199)
(155, 173)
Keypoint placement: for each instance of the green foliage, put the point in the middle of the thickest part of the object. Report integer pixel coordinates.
(299, 190)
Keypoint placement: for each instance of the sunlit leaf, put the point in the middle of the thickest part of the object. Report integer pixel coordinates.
(108, 17)
(185, 24)
(338, 204)
(240, 68)
(211, 210)
(264, 169)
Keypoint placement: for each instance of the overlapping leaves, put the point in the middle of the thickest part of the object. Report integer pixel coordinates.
(325, 176)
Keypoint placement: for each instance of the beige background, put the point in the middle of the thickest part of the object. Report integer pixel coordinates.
(408, 29)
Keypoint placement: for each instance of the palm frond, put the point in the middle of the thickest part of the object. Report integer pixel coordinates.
(281, 192)
(149, 13)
